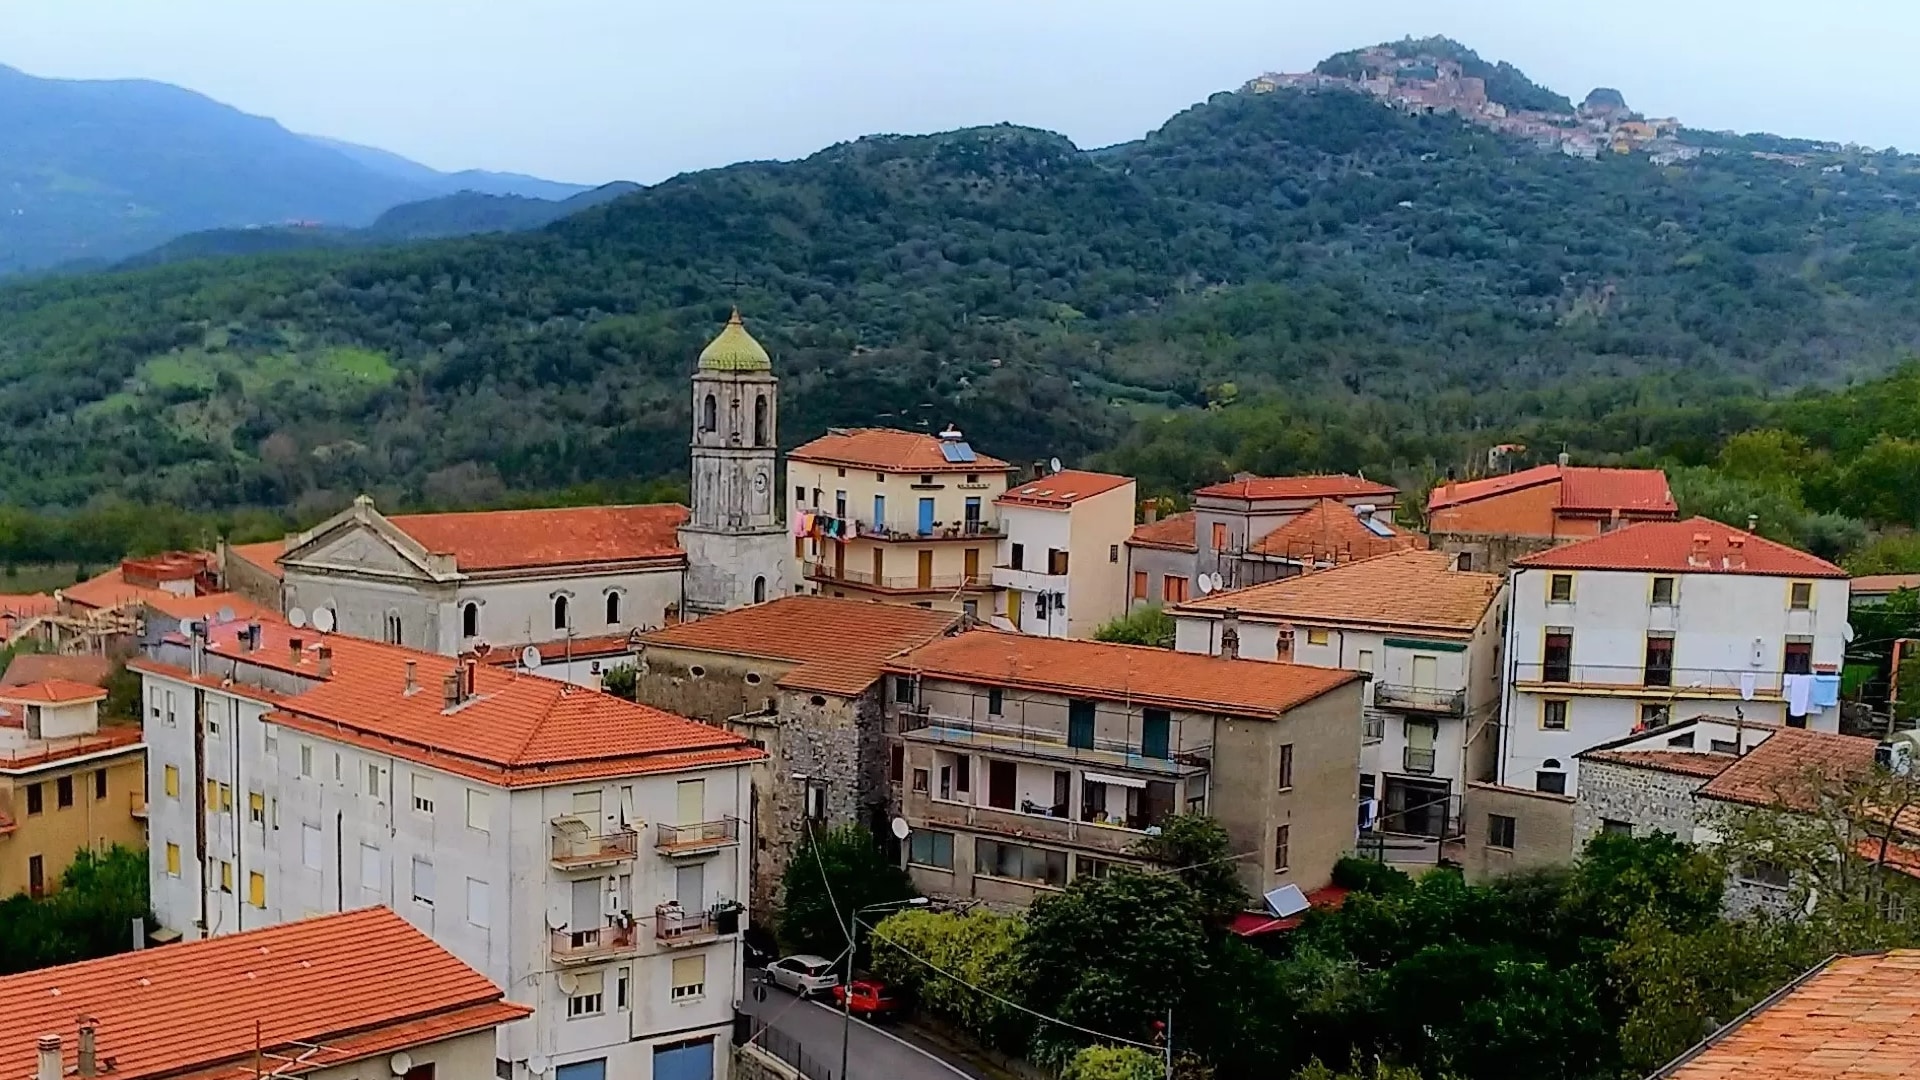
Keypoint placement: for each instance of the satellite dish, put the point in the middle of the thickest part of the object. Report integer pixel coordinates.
(323, 620)
(538, 1064)
(224, 615)
(297, 618)
(901, 830)
(556, 917)
(1846, 633)
(569, 982)
(401, 1063)
(1205, 583)
(1218, 582)
(1053, 465)
(530, 658)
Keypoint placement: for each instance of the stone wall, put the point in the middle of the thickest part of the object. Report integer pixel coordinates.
(1489, 553)
(753, 1063)
(1648, 799)
(1542, 830)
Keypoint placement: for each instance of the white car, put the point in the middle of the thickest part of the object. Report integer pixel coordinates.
(806, 974)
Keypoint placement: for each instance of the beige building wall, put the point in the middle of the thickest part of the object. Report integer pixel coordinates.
(1542, 831)
(940, 571)
(458, 1058)
(1097, 571)
(57, 833)
(1319, 811)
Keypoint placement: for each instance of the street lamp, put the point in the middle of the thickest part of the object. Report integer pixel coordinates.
(846, 989)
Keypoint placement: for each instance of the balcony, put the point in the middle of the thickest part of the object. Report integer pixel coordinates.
(137, 805)
(1028, 580)
(904, 583)
(1046, 743)
(1416, 761)
(1421, 699)
(592, 946)
(922, 809)
(1638, 680)
(574, 848)
(1373, 728)
(678, 929)
(857, 529)
(700, 838)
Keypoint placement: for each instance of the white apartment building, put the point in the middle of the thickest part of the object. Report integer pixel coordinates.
(587, 852)
(1060, 567)
(1659, 623)
(1427, 635)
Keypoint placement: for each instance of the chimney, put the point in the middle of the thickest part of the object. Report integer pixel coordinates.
(1150, 511)
(1736, 553)
(1230, 635)
(1697, 555)
(197, 649)
(1564, 459)
(251, 639)
(1753, 522)
(87, 1066)
(295, 647)
(324, 655)
(412, 686)
(49, 1062)
(450, 688)
(1039, 470)
(470, 678)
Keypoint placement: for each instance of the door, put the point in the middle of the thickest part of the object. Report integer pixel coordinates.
(971, 565)
(926, 517)
(879, 566)
(879, 512)
(590, 1070)
(36, 877)
(690, 887)
(1062, 791)
(1080, 724)
(973, 514)
(684, 1061)
(1002, 779)
(1013, 607)
(1426, 672)
(1155, 730)
(585, 916)
(926, 570)
(839, 561)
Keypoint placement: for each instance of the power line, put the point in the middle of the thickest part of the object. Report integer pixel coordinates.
(813, 844)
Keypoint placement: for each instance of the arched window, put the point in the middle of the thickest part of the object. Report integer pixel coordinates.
(613, 609)
(760, 420)
(760, 590)
(560, 613)
(710, 415)
(470, 620)
(393, 628)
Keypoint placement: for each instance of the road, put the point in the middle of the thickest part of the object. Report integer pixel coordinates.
(874, 1053)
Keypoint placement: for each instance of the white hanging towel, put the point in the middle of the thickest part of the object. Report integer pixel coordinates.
(1748, 681)
(1799, 694)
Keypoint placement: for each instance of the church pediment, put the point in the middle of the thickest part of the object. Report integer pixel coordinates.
(360, 541)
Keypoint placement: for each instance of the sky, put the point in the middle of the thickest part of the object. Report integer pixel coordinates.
(596, 90)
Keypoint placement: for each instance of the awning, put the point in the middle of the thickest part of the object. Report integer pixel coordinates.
(1117, 781)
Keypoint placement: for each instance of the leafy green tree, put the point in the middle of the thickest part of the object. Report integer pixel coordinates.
(1369, 876)
(1371, 1070)
(913, 949)
(90, 915)
(1195, 848)
(1887, 553)
(621, 680)
(1143, 626)
(830, 876)
(1114, 1063)
(1619, 879)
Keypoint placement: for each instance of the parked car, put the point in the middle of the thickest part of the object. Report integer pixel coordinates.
(806, 974)
(871, 998)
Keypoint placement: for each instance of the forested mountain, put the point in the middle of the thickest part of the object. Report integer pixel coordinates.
(99, 170)
(1277, 281)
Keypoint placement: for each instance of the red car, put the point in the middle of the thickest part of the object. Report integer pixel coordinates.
(872, 999)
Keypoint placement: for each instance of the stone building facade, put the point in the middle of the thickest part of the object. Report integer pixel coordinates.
(1636, 799)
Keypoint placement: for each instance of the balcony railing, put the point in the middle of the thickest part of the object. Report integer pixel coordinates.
(1420, 699)
(598, 943)
(696, 839)
(675, 928)
(572, 850)
(1418, 761)
(852, 528)
(1373, 728)
(1093, 835)
(819, 571)
(1628, 678)
(1047, 741)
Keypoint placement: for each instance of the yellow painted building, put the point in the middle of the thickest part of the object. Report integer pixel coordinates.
(896, 516)
(66, 784)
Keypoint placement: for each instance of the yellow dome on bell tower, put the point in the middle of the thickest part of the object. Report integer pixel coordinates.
(735, 350)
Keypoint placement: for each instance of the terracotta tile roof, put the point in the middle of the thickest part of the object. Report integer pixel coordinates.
(1334, 486)
(1583, 489)
(560, 536)
(1330, 532)
(264, 555)
(517, 729)
(110, 590)
(19, 607)
(1175, 533)
(1062, 489)
(39, 667)
(1409, 590)
(1872, 584)
(52, 692)
(1853, 1018)
(888, 450)
(1466, 491)
(1132, 673)
(1780, 770)
(837, 646)
(188, 608)
(1705, 766)
(327, 980)
(1671, 546)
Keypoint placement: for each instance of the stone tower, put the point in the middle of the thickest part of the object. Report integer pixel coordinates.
(735, 539)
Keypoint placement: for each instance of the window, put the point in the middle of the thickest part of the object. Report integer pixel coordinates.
(226, 877)
(170, 781)
(613, 609)
(477, 815)
(1173, 589)
(622, 981)
(560, 613)
(1016, 862)
(760, 420)
(393, 631)
(256, 808)
(710, 414)
(337, 773)
(903, 689)
(1500, 831)
(896, 763)
(1556, 658)
(1797, 659)
(1551, 781)
(423, 793)
(1800, 595)
(1316, 637)
(1113, 553)
(1652, 715)
(1682, 742)
(587, 997)
(1659, 661)
(1286, 766)
(423, 881)
(928, 848)
(840, 504)
(689, 978)
(470, 619)
(760, 589)
(1663, 591)
(173, 860)
(373, 779)
(311, 843)
(1560, 589)
(1056, 561)
(1464, 561)
(1610, 827)
(213, 719)
(1017, 557)
(306, 760)
(1282, 838)
(269, 738)
(36, 798)
(36, 876)
(920, 781)
(996, 701)
(1219, 536)
(1139, 584)
(1765, 872)
(1085, 866)
(369, 867)
(478, 908)
(257, 889)
(1725, 746)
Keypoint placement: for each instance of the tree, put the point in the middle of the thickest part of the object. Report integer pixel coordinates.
(1143, 626)
(913, 949)
(830, 876)
(90, 915)
(621, 680)
(1114, 1063)
(1195, 848)
(1359, 1070)
(1619, 879)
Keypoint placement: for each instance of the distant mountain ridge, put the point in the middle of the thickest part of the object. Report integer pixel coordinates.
(97, 170)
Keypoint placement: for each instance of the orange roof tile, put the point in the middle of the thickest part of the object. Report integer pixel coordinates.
(1873, 584)
(1133, 673)
(1333, 486)
(1466, 491)
(1175, 533)
(264, 555)
(1411, 590)
(560, 536)
(19, 607)
(52, 692)
(1330, 532)
(1062, 489)
(517, 730)
(1852, 1018)
(1781, 770)
(838, 646)
(888, 450)
(1673, 546)
(1583, 489)
(1694, 763)
(110, 590)
(335, 980)
(39, 667)
(187, 608)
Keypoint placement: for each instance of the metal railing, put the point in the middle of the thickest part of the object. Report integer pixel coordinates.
(860, 528)
(582, 946)
(699, 836)
(1415, 760)
(1055, 741)
(1038, 823)
(580, 848)
(674, 926)
(1678, 680)
(820, 571)
(1420, 699)
(788, 1049)
(1373, 728)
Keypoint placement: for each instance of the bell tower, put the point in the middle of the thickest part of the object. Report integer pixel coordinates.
(735, 541)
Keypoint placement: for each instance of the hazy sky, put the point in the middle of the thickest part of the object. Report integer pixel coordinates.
(595, 90)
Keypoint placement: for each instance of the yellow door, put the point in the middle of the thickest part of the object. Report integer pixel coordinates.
(879, 566)
(926, 569)
(972, 565)
(1013, 607)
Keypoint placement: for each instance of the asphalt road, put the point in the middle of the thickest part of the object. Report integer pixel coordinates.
(873, 1053)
